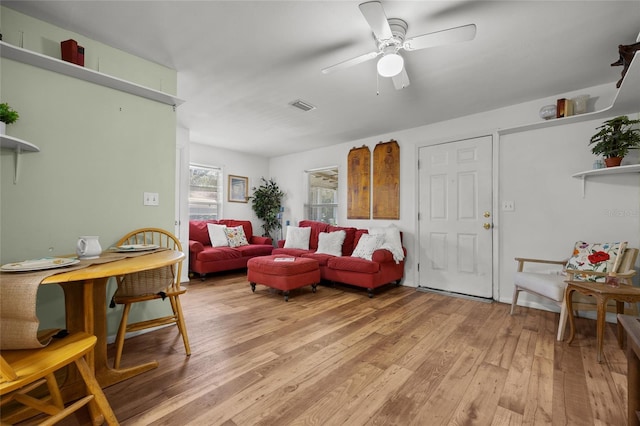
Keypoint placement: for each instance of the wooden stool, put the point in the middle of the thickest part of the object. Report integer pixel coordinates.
(276, 272)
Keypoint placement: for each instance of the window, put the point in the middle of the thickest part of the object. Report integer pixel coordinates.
(322, 204)
(205, 192)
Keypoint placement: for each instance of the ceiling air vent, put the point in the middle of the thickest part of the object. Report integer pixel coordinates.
(302, 105)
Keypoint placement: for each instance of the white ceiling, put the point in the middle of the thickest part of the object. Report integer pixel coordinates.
(241, 63)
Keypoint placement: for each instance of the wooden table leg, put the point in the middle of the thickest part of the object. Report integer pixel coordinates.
(569, 303)
(92, 318)
(601, 319)
(619, 328)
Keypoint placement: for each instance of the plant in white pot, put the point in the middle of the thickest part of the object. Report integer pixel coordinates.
(615, 138)
(7, 116)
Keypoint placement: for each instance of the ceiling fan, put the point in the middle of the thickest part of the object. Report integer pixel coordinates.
(390, 39)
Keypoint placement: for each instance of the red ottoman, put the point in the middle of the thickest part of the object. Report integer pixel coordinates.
(283, 274)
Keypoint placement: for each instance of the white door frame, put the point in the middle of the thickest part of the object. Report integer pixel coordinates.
(495, 188)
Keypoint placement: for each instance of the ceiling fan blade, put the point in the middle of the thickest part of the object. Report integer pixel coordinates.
(401, 80)
(438, 38)
(377, 19)
(350, 62)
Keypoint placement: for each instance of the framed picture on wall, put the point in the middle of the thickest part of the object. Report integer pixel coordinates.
(238, 189)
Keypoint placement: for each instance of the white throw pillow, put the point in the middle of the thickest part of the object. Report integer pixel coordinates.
(331, 242)
(392, 241)
(297, 237)
(367, 244)
(218, 235)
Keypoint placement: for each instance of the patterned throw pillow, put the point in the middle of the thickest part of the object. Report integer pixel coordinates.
(367, 245)
(597, 257)
(237, 237)
(331, 242)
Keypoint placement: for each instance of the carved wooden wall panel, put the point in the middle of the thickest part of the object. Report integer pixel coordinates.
(358, 183)
(386, 180)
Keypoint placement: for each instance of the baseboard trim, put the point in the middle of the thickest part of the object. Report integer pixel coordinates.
(452, 294)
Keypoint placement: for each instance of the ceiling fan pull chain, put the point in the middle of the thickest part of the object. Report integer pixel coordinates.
(377, 84)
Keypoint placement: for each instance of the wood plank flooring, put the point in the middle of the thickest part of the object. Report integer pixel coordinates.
(337, 357)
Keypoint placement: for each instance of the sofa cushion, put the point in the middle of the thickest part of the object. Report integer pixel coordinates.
(291, 251)
(367, 245)
(218, 235)
(252, 250)
(322, 258)
(353, 264)
(331, 242)
(297, 238)
(218, 253)
(198, 231)
(349, 238)
(236, 236)
(316, 229)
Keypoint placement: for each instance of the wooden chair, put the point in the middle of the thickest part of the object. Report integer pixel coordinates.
(552, 287)
(546, 285)
(25, 370)
(149, 285)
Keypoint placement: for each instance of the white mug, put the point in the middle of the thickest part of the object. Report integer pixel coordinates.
(88, 247)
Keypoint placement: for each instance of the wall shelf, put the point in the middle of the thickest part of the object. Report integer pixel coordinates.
(632, 168)
(50, 63)
(626, 101)
(19, 146)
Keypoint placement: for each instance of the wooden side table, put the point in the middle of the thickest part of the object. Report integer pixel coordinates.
(632, 327)
(602, 293)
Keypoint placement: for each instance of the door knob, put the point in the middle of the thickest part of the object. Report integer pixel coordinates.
(486, 225)
(487, 214)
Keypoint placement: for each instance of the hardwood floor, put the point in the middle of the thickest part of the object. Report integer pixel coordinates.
(337, 357)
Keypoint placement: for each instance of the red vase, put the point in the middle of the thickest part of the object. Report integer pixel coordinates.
(612, 161)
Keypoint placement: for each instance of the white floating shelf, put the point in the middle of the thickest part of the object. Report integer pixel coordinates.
(626, 101)
(10, 142)
(19, 54)
(632, 168)
(19, 146)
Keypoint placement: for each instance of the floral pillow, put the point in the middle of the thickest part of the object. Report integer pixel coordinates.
(597, 257)
(236, 237)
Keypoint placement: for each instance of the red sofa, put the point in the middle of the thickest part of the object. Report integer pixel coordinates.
(203, 258)
(370, 274)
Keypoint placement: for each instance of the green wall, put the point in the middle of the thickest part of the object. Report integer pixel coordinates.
(100, 150)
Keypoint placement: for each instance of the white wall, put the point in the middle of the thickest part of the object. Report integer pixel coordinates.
(534, 169)
(237, 164)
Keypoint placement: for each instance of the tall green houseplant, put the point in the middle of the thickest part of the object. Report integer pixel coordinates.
(266, 202)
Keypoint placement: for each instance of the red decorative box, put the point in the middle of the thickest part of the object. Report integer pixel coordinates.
(70, 51)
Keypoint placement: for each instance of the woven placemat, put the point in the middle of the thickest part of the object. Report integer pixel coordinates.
(19, 323)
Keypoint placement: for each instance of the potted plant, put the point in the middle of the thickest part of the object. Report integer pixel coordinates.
(7, 116)
(615, 138)
(266, 202)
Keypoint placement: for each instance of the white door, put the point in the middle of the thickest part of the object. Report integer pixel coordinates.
(455, 217)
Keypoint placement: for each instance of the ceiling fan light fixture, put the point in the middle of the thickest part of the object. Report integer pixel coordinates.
(390, 65)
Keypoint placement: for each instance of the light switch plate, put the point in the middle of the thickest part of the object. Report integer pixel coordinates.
(151, 199)
(508, 206)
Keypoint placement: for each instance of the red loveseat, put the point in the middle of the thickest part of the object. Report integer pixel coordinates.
(370, 274)
(203, 258)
